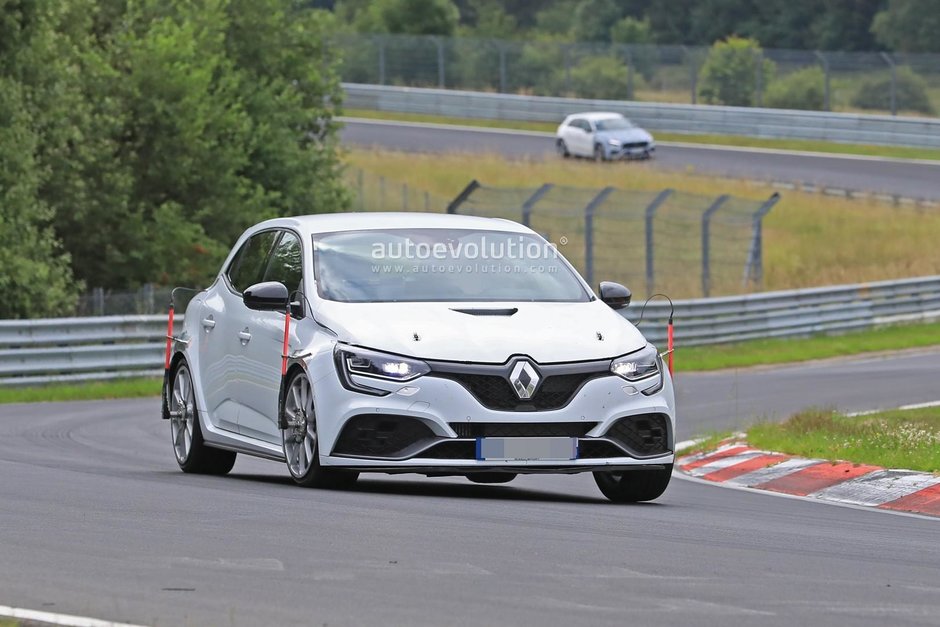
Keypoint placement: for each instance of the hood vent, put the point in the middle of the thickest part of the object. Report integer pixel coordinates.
(488, 312)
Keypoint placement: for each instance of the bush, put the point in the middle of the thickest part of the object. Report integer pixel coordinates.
(729, 74)
(603, 78)
(803, 89)
(875, 93)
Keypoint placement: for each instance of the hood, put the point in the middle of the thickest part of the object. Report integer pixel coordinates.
(627, 135)
(546, 332)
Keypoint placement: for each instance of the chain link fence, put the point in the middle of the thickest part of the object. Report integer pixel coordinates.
(798, 79)
(687, 244)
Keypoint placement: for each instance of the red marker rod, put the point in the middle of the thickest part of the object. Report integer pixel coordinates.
(284, 350)
(169, 338)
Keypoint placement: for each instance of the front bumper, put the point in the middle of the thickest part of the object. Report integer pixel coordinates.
(431, 425)
(637, 150)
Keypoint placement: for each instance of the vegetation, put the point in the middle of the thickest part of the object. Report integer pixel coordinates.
(908, 439)
(734, 72)
(911, 92)
(139, 138)
(803, 89)
(86, 391)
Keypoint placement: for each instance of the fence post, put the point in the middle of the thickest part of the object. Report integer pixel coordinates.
(629, 73)
(440, 61)
(693, 74)
(754, 268)
(362, 190)
(706, 242)
(759, 78)
(825, 65)
(650, 213)
(589, 210)
(97, 299)
(147, 298)
(462, 197)
(381, 193)
(894, 81)
(567, 69)
(531, 200)
(381, 60)
(502, 67)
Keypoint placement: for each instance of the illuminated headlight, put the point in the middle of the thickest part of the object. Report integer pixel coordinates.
(642, 365)
(614, 142)
(351, 360)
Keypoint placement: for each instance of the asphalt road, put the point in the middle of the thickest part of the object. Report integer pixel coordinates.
(97, 520)
(912, 179)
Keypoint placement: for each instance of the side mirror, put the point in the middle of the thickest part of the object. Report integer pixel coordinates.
(615, 295)
(269, 296)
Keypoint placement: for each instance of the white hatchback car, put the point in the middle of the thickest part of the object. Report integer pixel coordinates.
(603, 137)
(416, 343)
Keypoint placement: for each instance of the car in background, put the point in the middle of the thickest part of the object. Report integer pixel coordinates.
(603, 136)
(416, 343)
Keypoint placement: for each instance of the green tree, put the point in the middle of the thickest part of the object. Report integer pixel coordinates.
(409, 17)
(908, 26)
(593, 20)
(803, 89)
(732, 71)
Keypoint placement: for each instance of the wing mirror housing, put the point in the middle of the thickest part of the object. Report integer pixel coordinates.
(615, 295)
(267, 296)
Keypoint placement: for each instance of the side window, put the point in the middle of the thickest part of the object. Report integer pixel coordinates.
(248, 265)
(286, 264)
(581, 124)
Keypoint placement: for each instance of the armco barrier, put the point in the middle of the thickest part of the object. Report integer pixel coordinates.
(41, 351)
(673, 118)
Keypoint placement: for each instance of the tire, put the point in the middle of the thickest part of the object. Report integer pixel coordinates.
(191, 452)
(491, 477)
(633, 486)
(562, 149)
(300, 441)
(599, 153)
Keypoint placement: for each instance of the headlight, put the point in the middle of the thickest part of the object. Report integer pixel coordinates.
(642, 365)
(352, 360)
(614, 142)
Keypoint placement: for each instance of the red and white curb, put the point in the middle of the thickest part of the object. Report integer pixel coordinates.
(737, 464)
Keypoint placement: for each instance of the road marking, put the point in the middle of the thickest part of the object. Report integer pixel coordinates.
(868, 412)
(670, 144)
(878, 488)
(58, 619)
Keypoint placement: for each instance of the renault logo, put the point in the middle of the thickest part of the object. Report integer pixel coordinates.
(524, 379)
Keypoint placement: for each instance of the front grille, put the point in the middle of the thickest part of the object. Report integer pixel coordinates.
(598, 449)
(495, 392)
(636, 145)
(452, 450)
(381, 435)
(521, 430)
(644, 435)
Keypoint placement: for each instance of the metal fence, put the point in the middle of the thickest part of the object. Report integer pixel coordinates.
(374, 192)
(667, 240)
(43, 351)
(829, 81)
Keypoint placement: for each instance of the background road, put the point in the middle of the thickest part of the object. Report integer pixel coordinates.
(916, 180)
(97, 520)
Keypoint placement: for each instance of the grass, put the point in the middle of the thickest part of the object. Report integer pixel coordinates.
(809, 239)
(907, 439)
(86, 391)
(901, 152)
(779, 351)
(8, 622)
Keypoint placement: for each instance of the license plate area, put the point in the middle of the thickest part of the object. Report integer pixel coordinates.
(527, 449)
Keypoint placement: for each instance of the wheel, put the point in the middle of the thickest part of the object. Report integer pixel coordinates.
(491, 477)
(634, 486)
(301, 449)
(191, 452)
(599, 153)
(562, 148)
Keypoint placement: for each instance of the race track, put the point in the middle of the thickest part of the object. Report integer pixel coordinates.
(97, 520)
(885, 176)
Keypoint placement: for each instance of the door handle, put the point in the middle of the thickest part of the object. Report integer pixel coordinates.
(244, 336)
(208, 323)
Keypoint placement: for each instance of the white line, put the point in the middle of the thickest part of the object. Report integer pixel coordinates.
(877, 488)
(869, 412)
(58, 619)
(746, 149)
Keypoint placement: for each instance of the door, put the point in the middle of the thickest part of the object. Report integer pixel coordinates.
(581, 138)
(223, 317)
(260, 374)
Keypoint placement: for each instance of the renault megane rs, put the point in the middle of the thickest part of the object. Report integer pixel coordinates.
(416, 343)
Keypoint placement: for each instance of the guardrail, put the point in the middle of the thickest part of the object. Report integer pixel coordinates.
(673, 118)
(43, 351)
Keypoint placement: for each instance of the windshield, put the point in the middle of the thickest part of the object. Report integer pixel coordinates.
(401, 265)
(613, 124)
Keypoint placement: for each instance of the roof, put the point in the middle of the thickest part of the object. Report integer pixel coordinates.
(330, 222)
(596, 115)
